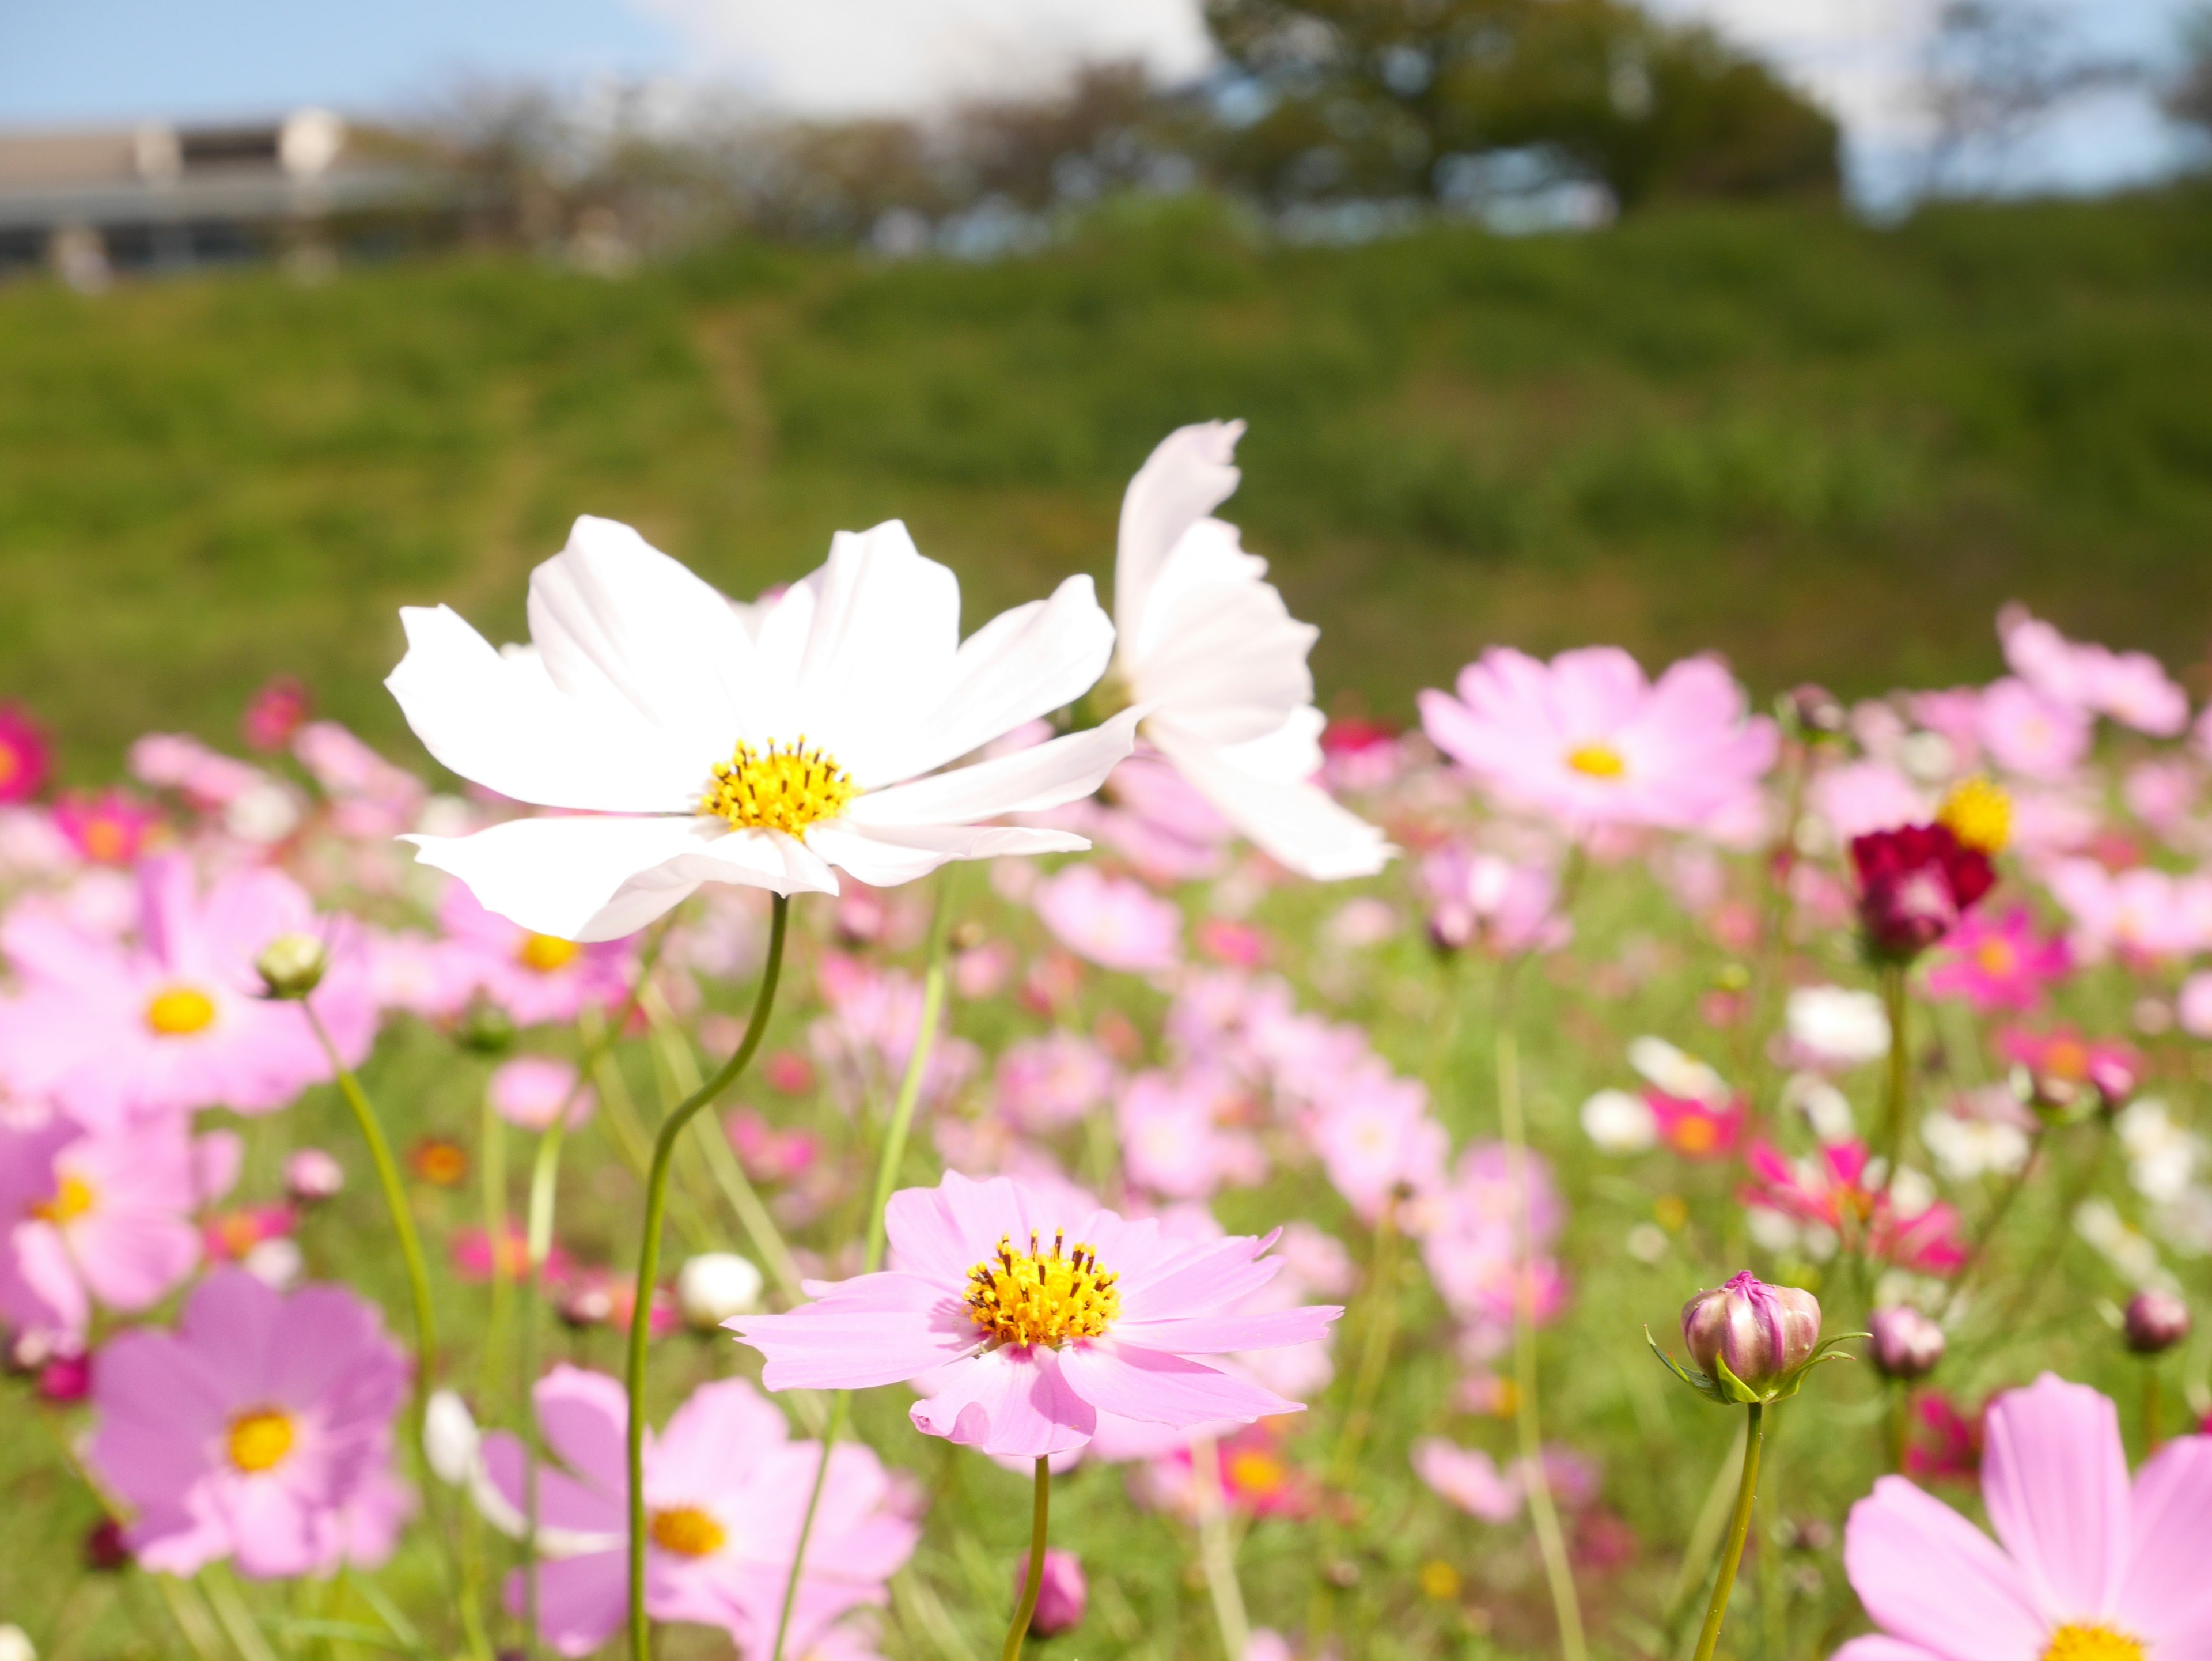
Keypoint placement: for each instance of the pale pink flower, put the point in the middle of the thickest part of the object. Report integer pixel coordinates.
(2142, 914)
(1506, 906)
(1469, 1478)
(1045, 1083)
(534, 977)
(529, 1091)
(1864, 796)
(869, 1034)
(409, 971)
(206, 778)
(2193, 1006)
(93, 1218)
(1114, 1314)
(2084, 1563)
(1470, 1239)
(2161, 791)
(256, 1431)
(1586, 740)
(725, 1492)
(2031, 734)
(1174, 1141)
(2132, 688)
(1377, 1139)
(1115, 922)
(178, 1020)
(370, 797)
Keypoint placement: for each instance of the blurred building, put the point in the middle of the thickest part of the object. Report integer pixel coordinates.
(89, 202)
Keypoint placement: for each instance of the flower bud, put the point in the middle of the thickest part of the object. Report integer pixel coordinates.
(714, 1286)
(2155, 1322)
(1759, 1331)
(106, 1551)
(292, 965)
(1816, 711)
(1906, 1344)
(1062, 1595)
(312, 1175)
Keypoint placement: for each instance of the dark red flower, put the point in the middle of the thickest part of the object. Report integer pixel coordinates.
(1915, 882)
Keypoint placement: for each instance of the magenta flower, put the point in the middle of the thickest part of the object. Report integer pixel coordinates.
(2085, 1565)
(1586, 740)
(1038, 1318)
(1114, 922)
(726, 1491)
(1998, 963)
(26, 755)
(114, 1031)
(260, 1430)
(93, 1218)
(275, 713)
(535, 978)
(1832, 1190)
(111, 828)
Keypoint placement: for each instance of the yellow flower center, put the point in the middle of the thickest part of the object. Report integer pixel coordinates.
(1996, 958)
(778, 789)
(260, 1439)
(1042, 1298)
(1597, 760)
(687, 1531)
(71, 1200)
(106, 842)
(546, 953)
(177, 1011)
(2098, 1643)
(1257, 1474)
(1440, 1581)
(1978, 814)
(1694, 1133)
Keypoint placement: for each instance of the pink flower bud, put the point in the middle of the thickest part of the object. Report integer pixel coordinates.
(1906, 1345)
(1760, 1331)
(2155, 1322)
(311, 1174)
(1061, 1596)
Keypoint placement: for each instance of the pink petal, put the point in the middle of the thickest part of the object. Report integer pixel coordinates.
(1013, 1402)
(586, 1417)
(1879, 1647)
(2167, 1596)
(877, 1330)
(563, 1501)
(229, 1322)
(1217, 1334)
(2055, 1479)
(715, 1440)
(581, 1600)
(1932, 1579)
(1166, 1389)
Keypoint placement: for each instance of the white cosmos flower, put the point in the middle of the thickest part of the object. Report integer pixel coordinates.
(703, 742)
(1205, 642)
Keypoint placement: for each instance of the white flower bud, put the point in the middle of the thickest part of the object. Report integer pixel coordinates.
(715, 1285)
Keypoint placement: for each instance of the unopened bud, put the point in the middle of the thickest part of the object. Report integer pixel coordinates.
(312, 1175)
(1760, 1332)
(1906, 1344)
(1816, 711)
(586, 1306)
(1063, 1593)
(715, 1285)
(2155, 1322)
(292, 965)
(485, 1028)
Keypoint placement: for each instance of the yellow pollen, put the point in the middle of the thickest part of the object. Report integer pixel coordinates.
(177, 1012)
(260, 1439)
(778, 789)
(2098, 1643)
(1042, 1297)
(1257, 1474)
(546, 953)
(1978, 814)
(1597, 760)
(72, 1198)
(687, 1531)
(1996, 958)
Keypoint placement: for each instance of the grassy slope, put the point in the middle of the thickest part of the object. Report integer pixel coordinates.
(1826, 450)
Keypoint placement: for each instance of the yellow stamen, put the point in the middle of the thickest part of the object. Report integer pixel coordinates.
(177, 1012)
(72, 1198)
(260, 1439)
(1257, 1474)
(1979, 813)
(687, 1531)
(2086, 1643)
(547, 953)
(778, 789)
(1996, 958)
(1597, 760)
(1042, 1298)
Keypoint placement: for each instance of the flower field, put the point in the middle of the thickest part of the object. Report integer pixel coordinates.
(840, 1128)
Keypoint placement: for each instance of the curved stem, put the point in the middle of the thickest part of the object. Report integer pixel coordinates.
(648, 1263)
(1739, 1527)
(1034, 1582)
(1551, 1542)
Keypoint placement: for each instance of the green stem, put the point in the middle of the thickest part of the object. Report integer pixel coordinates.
(1216, 1550)
(492, 1154)
(887, 1168)
(1381, 1327)
(2149, 1407)
(1035, 1581)
(648, 1263)
(1898, 1078)
(1551, 1542)
(1738, 1529)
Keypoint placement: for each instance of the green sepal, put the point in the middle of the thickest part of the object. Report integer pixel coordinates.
(1736, 1390)
(1708, 1388)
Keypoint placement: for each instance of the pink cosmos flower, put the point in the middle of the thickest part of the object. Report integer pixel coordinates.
(2142, 914)
(205, 778)
(530, 1091)
(2192, 1005)
(1152, 817)
(1863, 796)
(93, 1218)
(113, 1031)
(1253, 1468)
(26, 757)
(535, 978)
(2085, 1565)
(1695, 1128)
(1470, 1244)
(1587, 740)
(1377, 1139)
(2033, 735)
(1174, 1136)
(869, 1034)
(2062, 1063)
(1998, 963)
(1115, 922)
(111, 828)
(1469, 1478)
(726, 1491)
(275, 713)
(1036, 1320)
(1045, 1083)
(260, 1430)
(2131, 687)
(1831, 1189)
(1506, 906)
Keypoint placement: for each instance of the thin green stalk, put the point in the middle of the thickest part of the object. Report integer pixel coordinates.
(1739, 1527)
(1705, 1534)
(1039, 1514)
(1987, 1231)
(1551, 1541)
(190, 1615)
(648, 1263)
(1898, 1078)
(887, 1168)
(1216, 1550)
(2150, 1406)
(1381, 1326)
(237, 1621)
(492, 1169)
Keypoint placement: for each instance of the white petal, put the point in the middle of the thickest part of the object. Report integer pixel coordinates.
(1296, 824)
(501, 722)
(1022, 664)
(1027, 782)
(617, 620)
(1190, 473)
(1289, 755)
(1210, 555)
(885, 858)
(1230, 662)
(600, 877)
